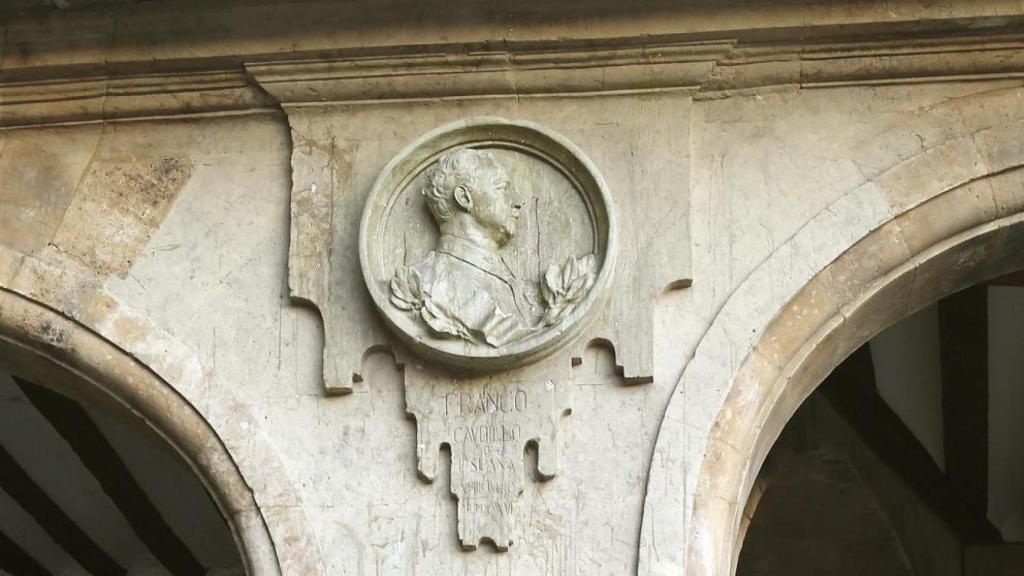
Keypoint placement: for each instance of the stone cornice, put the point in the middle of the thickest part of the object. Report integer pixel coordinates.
(707, 67)
(96, 97)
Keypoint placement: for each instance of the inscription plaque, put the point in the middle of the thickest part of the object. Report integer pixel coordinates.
(487, 424)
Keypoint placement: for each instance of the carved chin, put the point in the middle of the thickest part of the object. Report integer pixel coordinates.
(505, 234)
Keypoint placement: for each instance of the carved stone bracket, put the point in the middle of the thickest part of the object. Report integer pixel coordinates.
(487, 323)
(338, 152)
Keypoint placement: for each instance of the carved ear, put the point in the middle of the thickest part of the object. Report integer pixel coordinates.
(463, 198)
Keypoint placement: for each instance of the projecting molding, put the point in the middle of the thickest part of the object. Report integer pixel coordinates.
(94, 95)
(710, 67)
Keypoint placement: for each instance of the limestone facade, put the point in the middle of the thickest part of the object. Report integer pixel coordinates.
(788, 180)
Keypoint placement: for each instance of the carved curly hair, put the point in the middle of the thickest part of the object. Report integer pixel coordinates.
(460, 167)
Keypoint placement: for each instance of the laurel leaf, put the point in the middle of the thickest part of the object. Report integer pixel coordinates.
(568, 272)
(552, 283)
(587, 265)
(563, 288)
(575, 290)
(441, 321)
(415, 284)
(406, 290)
(401, 304)
(553, 314)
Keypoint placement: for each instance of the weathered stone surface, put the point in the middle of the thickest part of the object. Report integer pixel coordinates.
(40, 171)
(819, 170)
(116, 208)
(648, 195)
(868, 239)
(436, 281)
(487, 423)
(488, 244)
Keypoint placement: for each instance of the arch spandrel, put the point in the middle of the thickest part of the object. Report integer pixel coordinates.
(52, 319)
(865, 135)
(911, 250)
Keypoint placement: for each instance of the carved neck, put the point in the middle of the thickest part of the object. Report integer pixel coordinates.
(473, 254)
(468, 230)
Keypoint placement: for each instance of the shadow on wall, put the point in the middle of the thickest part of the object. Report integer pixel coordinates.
(86, 488)
(817, 517)
(900, 462)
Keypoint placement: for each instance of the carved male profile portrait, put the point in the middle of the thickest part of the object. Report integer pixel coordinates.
(487, 248)
(464, 287)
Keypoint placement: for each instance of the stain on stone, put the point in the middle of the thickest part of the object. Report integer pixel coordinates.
(39, 172)
(116, 209)
(51, 336)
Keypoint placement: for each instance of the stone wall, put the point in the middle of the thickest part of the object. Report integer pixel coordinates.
(146, 196)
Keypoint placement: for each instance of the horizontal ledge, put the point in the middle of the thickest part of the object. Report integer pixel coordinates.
(626, 65)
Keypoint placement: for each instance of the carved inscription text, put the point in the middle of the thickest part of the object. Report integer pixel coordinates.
(487, 424)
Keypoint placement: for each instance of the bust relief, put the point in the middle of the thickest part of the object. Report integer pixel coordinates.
(487, 247)
(464, 288)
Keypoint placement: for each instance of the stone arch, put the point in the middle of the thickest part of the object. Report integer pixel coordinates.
(773, 382)
(927, 224)
(56, 319)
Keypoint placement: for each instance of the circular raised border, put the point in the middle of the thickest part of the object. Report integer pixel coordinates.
(526, 137)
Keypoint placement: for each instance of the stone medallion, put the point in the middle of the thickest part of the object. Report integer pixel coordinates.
(488, 244)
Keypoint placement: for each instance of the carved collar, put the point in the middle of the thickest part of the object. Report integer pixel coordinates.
(476, 256)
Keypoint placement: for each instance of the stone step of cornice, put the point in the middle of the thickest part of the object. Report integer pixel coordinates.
(708, 68)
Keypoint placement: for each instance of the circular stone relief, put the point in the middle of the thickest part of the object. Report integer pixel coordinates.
(488, 243)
